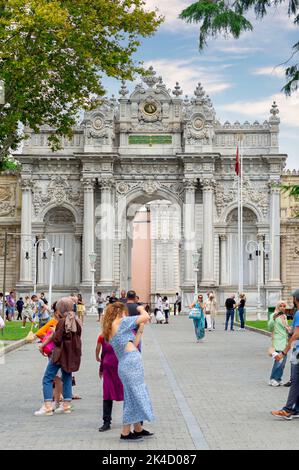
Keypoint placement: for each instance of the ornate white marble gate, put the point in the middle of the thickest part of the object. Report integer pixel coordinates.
(150, 145)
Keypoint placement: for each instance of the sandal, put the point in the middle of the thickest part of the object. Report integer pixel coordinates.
(76, 397)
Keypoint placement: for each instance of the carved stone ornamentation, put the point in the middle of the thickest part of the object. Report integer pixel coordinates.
(58, 192)
(257, 195)
(7, 200)
(107, 184)
(150, 79)
(150, 187)
(249, 217)
(150, 110)
(197, 130)
(208, 184)
(190, 184)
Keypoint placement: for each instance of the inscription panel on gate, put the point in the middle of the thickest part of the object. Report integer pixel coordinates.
(149, 139)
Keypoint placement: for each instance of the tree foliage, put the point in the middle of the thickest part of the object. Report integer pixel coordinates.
(228, 17)
(53, 54)
(292, 190)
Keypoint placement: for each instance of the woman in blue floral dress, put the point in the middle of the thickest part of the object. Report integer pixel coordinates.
(120, 330)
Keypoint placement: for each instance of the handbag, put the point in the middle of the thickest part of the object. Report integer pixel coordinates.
(50, 346)
(31, 336)
(159, 316)
(195, 313)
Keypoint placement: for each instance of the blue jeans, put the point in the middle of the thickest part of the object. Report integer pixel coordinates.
(49, 376)
(292, 403)
(230, 314)
(241, 316)
(198, 326)
(277, 369)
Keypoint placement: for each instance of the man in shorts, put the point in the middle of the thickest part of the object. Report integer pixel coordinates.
(101, 304)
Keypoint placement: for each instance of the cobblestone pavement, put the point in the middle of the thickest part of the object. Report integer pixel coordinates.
(210, 395)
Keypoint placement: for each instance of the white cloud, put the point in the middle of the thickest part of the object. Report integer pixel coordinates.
(288, 108)
(171, 10)
(276, 71)
(188, 73)
(228, 46)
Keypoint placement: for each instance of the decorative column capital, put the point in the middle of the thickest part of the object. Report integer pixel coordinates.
(26, 184)
(88, 184)
(260, 237)
(274, 187)
(223, 237)
(107, 184)
(190, 184)
(208, 184)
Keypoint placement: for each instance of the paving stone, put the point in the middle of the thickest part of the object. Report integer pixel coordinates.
(222, 384)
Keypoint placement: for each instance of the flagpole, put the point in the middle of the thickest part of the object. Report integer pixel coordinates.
(239, 224)
(241, 216)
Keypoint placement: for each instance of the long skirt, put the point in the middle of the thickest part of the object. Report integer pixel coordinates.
(137, 404)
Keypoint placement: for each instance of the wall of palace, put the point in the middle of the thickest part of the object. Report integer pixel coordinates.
(152, 145)
(289, 236)
(10, 222)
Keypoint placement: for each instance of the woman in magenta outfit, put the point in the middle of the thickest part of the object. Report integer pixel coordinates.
(112, 386)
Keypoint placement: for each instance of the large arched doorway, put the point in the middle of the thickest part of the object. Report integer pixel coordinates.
(250, 232)
(59, 230)
(150, 254)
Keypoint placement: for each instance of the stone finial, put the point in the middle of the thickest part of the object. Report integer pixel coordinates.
(150, 78)
(199, 92)
(186, 100)
(160, 83)
(177, 90)
(274, 109)
(123, 89)
(113, 101)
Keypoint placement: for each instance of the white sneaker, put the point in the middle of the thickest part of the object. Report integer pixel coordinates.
(43, 412)
(23, 326)
(62, 410)
(55, 405)
(274, 383)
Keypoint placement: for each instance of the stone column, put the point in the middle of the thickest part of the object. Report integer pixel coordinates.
(223, 260)
(107, 234)
(208, 233)
(189, 231)
(284, 253)
(274, 266)
(88, 229)
(26, 234)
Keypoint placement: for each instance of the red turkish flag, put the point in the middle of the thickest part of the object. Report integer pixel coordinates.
(237, 167)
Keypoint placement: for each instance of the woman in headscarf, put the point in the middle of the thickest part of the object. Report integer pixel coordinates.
(65, 356)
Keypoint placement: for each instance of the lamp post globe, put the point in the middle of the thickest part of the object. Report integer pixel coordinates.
(92, 260)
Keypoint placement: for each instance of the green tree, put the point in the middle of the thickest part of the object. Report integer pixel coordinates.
(292, 190)
(228, 17)
(53, 54)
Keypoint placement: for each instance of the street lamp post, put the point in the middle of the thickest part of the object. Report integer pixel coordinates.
(43, 244)
(195, 257)
(259, 248)
(92, 260)
(53, 253)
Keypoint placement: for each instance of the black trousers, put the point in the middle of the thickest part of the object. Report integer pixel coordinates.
(19, 315)
(107, 411)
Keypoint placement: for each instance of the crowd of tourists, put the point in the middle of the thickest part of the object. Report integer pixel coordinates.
(203, 313)
(118, 348)
(118, 351)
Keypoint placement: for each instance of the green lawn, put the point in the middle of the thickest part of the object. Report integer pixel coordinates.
(13, 331)
(260, 324)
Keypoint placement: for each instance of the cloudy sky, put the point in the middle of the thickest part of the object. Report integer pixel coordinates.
(243, 77)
